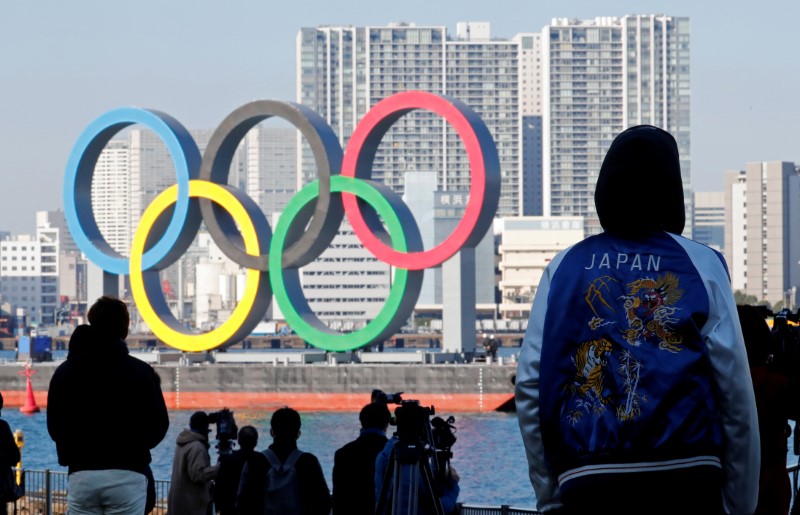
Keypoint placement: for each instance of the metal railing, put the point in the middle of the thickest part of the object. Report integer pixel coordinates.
(46, 494)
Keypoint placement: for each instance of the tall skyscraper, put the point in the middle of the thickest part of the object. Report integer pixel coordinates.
(762, 246)
(111, 198)
(530, 94)
(343, 71)
(600, 77)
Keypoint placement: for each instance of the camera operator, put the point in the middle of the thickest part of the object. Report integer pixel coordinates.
(192, 472)
(449, 483)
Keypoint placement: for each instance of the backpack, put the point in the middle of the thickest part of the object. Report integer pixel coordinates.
(282, 491)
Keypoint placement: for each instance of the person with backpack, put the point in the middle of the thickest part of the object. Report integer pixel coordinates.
(283, 480)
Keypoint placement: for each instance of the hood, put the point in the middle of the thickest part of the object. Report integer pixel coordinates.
(188, 436)
(639, 188)
(87, 341)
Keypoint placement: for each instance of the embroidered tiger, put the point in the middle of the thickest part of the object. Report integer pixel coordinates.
(589, 362)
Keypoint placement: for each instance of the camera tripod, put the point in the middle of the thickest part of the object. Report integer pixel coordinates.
(407, 474)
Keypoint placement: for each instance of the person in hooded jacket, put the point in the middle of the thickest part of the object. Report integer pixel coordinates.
(105, 413)
(633, 391)
(192, 471)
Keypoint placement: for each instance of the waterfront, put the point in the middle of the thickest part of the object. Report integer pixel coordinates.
(488, 453)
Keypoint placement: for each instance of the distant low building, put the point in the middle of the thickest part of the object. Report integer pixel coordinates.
(29, 272)
(527, 245)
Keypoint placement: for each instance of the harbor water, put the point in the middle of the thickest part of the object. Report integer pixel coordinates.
(488, 453)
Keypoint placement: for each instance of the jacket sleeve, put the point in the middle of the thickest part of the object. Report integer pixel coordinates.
(340, 496)
(157, 412)
(10, 456)
(314, 489)
(722, 333)
(58, 425)
(381, 464)
(545, 483)
(449, 497)
(198, 464)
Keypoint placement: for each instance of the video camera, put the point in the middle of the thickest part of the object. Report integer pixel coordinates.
(433, 436)
(227, 432)
(386, 398)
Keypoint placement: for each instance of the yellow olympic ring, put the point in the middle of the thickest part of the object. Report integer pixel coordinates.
(172, 331)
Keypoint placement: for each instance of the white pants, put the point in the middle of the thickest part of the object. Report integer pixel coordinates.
(117, 492)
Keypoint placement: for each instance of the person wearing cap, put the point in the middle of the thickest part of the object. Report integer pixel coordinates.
(633, 392)
(192, 472)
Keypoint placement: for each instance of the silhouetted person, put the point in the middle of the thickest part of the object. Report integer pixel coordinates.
(354, 463)
(283, 479)
(226, 485)
(9, 452)
(105, 412)
(192, 471)
(490, 345)
(633, 392)
(773, 400)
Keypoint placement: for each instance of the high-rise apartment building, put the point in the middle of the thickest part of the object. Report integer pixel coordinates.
(762, 246)
(111, 194)
(600, 77)
(343, 71)
(530, 101)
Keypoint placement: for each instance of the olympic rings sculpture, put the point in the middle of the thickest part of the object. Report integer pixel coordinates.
(305, 229)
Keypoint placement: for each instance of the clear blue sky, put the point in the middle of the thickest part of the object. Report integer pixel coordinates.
(66, 62)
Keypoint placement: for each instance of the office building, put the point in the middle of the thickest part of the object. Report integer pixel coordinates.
(762, 246)
(708, 225)
(600, 77)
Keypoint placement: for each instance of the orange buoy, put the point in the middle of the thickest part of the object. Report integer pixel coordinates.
(30, 407)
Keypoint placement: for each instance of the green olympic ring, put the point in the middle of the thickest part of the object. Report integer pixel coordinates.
(403, 293)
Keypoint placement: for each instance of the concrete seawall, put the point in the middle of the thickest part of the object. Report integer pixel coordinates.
(318, 387)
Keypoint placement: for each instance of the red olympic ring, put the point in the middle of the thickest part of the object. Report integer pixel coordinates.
(360, 152)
